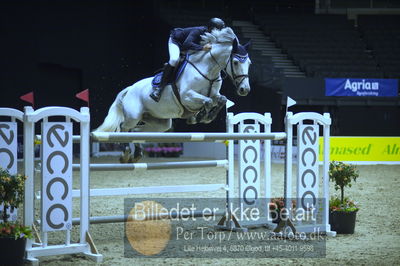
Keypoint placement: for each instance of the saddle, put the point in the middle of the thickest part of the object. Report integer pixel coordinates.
(178, 71)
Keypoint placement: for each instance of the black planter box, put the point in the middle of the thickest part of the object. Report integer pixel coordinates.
(12, 251)
(342, 222)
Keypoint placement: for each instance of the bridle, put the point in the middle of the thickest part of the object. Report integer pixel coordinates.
(242, 59)
(234, 77)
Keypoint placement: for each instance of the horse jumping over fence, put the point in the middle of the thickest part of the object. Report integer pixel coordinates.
(196, 94)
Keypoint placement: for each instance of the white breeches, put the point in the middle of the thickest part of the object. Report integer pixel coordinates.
(174, 53)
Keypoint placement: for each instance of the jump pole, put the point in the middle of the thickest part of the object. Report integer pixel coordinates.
(126, 218)
(182, 137)
(139, 137)
(155, 166)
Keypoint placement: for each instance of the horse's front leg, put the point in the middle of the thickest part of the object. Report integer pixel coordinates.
(196, 101)
(127, 156)
(202, 103)
(212, 114)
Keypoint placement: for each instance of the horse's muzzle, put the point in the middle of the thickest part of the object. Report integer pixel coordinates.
(242, 91)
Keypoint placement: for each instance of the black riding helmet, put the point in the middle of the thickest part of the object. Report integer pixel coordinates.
(216, 23)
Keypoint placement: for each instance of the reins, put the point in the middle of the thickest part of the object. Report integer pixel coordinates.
(234, 77)
(223, 69)
(204, 76)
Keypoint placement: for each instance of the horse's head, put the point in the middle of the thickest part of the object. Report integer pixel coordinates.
(229, 55)
(238, 67)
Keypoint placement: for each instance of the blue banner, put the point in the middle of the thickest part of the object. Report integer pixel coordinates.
(361, 87)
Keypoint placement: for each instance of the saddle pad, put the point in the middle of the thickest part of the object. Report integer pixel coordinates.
(157, 78)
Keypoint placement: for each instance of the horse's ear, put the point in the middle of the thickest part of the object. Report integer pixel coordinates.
(235, 45)
(247, 45)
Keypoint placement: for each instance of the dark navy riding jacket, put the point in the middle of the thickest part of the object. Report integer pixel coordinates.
(188, 38)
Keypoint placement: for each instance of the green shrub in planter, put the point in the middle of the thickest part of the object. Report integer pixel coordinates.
(13, 235)
(342, 211)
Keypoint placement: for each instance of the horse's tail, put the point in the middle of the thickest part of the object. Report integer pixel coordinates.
(115, 116)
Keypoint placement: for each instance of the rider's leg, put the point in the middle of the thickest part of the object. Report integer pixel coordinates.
(174, 53)
(167, 73)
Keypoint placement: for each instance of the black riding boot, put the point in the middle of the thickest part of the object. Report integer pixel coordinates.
(167, 73)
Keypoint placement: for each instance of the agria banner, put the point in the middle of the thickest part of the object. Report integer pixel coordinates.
(361, 87)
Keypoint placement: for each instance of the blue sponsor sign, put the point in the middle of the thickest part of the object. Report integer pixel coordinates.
(361, 87)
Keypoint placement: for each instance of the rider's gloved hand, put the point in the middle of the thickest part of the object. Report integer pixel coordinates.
(207, 47)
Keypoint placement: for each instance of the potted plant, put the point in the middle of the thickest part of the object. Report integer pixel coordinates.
(275, 207)
(342, 211)
(13, 235)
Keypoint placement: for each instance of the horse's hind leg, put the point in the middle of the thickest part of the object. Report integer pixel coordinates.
(126, 157)
(133, 114)
(151, 124)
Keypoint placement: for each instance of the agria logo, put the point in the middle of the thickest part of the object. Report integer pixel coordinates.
(361, 85)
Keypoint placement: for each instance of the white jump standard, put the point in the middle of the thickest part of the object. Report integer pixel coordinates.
(56, 204)
(308, 190)
(57, 147)
(9, 146)
(307, 181)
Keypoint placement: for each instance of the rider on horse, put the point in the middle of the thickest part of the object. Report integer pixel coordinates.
(184, 39)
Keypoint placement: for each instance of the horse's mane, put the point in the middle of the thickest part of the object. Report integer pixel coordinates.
(223, 35)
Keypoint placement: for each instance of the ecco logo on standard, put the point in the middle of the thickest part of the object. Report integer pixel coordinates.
(57, 183)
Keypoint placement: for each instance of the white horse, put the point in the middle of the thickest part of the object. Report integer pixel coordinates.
(198, 99)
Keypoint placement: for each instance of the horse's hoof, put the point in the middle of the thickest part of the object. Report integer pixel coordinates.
(222, 100)
(135, 159)
(208, 105)
(123, 159)
(207, 121)
(191, 120)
